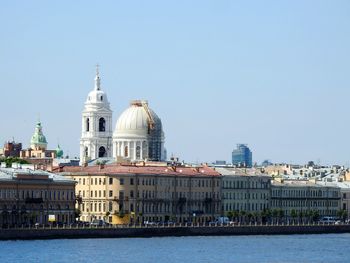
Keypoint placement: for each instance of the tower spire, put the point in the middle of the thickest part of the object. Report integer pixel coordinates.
(97, 78)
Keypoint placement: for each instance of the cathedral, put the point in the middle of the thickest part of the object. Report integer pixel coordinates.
(138, 134)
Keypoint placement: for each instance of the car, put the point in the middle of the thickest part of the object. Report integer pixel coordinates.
(150, 223)
(329, 220)
(98, 222)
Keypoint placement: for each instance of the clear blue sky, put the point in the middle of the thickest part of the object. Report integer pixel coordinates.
(272, 74)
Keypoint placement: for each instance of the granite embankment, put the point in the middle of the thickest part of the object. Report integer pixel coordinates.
(14, 234)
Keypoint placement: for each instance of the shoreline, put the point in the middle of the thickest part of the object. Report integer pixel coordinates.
(148, 232)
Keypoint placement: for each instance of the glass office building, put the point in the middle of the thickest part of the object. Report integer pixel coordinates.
(242, 156)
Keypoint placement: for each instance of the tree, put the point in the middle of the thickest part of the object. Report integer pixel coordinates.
(242, 214)
(77, 213)
(293, 214)
(342, 214)
(230, 215)
(10, 160)
(315, 215)
(301, 215)
(280, 214)
(275, 214)
(235, 214)
(249, 215)
(256, 216)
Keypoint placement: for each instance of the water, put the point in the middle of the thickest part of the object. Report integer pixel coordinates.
(294, 248)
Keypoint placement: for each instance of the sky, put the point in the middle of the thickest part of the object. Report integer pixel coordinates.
(271, 74)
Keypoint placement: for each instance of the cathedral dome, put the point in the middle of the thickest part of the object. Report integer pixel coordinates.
(137, 120)
(138, 134)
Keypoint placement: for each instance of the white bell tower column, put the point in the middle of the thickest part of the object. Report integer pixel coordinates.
(96, 136)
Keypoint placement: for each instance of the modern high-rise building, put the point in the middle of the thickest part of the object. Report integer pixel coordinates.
(242, 156)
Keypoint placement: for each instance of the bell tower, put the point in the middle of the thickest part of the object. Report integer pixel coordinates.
(96, 135)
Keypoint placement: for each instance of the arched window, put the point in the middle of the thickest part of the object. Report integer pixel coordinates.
(86, 151)
(87, 124)
(101, 152)
(102, 125)
(138, 152)
(126, 151)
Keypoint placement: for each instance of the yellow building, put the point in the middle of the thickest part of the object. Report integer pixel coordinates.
(146, 192)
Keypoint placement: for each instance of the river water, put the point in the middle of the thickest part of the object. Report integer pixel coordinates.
(292, 248)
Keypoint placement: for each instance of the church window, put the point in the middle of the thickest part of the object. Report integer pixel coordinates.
(102, 125)
(86, 152)
(138, 152)
(126, 151)
(101, 98)
(101, 152)
(87, 124)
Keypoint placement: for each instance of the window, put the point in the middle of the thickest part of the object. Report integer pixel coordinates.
(101, 98)
(121, 181)
(87, 124)
(126, 151)
(110, 193)
(131, 194)
(138, 152)
(86, 151)
(102, 152)
(110, 180)
(131, 181)
(101, 125)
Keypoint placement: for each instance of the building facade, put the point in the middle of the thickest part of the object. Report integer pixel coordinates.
(242, 156)
(132, 193)
(96, 137)
(11, 149)
(303, 197)
(31, 196)
(244, 191)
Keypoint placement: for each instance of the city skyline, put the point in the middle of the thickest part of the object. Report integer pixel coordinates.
(269, 75)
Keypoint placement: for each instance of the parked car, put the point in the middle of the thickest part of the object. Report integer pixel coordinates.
(330, 220)
(150, 223)
(98, 222)
(223, 220)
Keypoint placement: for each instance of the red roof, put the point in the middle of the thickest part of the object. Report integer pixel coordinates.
(132, 169)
